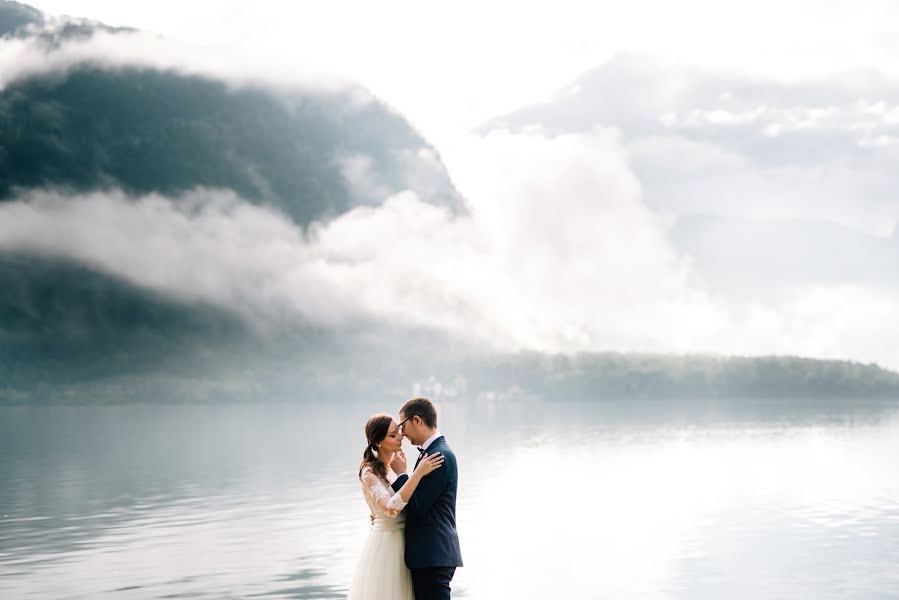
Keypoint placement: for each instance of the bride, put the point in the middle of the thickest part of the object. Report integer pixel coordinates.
(381, 573)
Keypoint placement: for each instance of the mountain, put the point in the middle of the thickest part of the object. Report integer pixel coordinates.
(144, 130)
(310, 155)
(64, 322)
(15, 17)
(73, 332)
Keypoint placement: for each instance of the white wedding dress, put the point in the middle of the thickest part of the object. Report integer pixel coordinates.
(381, 573)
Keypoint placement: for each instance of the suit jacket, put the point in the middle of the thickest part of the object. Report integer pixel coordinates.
(431, 538)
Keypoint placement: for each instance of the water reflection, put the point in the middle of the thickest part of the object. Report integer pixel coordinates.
(639, 500)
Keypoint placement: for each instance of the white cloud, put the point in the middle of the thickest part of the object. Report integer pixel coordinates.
(560, 251)
(860, 118)
(717, 142)
(463, 64)
(23, 57)
(559, 254)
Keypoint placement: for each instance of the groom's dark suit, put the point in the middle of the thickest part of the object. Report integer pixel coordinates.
(432, 544)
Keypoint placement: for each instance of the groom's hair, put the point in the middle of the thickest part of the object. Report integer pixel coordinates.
(422, 407)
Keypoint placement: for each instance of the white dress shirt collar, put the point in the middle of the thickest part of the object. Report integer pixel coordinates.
(430, 440)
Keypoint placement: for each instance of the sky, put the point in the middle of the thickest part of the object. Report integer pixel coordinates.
(679, 177)
(470, 61)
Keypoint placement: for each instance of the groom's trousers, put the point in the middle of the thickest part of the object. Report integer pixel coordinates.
(432, 583)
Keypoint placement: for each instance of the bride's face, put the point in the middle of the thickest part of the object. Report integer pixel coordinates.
(394, 440)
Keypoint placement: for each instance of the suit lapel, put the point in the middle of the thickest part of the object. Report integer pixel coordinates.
(434, 443)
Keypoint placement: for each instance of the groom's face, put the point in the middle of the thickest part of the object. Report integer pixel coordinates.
(409, 428)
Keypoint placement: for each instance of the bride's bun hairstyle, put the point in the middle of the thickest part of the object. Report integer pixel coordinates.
(375, 431)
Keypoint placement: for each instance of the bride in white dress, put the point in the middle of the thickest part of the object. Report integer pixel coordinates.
(381, 573)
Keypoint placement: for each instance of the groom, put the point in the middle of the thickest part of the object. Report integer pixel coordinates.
(432, 544)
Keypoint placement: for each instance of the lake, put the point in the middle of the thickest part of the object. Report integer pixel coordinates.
(631, 499)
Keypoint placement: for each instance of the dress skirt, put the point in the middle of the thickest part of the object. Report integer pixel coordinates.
(381, 573)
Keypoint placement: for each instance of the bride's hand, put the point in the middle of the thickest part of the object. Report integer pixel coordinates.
(399, 463)
(429, 463)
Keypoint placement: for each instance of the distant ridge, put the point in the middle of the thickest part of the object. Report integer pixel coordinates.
(613, 375)
(324, 369)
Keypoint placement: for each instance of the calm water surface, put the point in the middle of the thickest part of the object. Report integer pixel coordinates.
(630, 500)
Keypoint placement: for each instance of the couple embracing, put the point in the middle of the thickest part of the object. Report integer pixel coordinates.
(413, 549)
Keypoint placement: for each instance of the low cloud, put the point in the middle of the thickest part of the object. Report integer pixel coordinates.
(559, 253)
(50, 54)
(558, 240)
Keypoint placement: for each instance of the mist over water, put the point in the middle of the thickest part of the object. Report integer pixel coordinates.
(636, 499)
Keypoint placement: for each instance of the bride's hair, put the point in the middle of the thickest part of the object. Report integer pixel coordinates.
(375, 431)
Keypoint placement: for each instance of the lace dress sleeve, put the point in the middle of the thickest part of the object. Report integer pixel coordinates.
(391, 504)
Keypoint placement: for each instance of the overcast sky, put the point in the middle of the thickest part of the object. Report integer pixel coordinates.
(612, 154)
(464, 62)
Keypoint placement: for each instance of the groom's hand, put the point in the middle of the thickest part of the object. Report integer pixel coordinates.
(399, 463)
